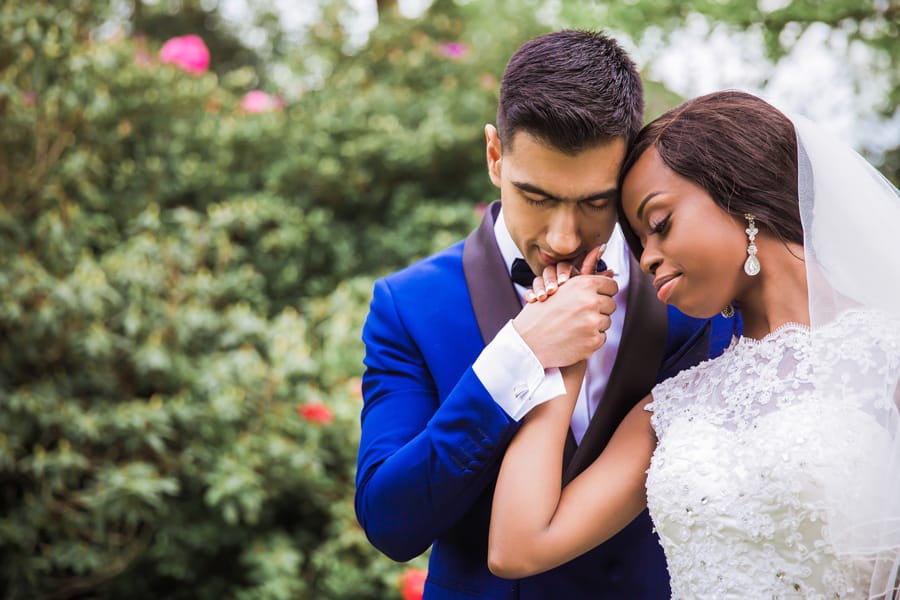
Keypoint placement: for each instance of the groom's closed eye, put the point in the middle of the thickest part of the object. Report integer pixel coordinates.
(538, 197)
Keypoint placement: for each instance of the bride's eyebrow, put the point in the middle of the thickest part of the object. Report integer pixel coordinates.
(644, 202)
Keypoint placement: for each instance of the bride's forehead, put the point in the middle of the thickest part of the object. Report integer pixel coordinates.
(650, 178)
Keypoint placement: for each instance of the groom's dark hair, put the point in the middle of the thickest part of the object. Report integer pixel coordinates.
(572, 90)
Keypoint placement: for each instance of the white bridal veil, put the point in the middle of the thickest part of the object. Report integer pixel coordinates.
(851, 221)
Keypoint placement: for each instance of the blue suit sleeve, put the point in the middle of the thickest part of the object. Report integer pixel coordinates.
(422, 462)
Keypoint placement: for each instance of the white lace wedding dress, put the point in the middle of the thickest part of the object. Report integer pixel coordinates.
(747, 452)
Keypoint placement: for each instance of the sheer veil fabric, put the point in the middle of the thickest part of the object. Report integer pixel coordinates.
(850, 215)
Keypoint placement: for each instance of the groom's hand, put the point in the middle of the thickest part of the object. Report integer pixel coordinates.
(571, 325)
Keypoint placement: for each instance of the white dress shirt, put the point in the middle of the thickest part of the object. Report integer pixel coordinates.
(511, 372)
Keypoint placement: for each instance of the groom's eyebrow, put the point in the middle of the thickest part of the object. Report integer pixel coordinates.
(610, 194)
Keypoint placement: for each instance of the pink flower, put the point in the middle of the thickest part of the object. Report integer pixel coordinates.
(142, 58)
(213, 105)
(355, 384)
(479, 210)
(187, 52)
(412, 584)
(29, 98)
(453, 50)
(487, 81)
(260, 102)
(316, 413)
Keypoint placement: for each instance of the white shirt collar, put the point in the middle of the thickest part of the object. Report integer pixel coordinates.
(508, 249)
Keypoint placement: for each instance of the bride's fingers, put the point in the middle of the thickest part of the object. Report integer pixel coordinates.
(538, 289)
(591, 259)
(564, 271)
(550, 281)
(553, 276)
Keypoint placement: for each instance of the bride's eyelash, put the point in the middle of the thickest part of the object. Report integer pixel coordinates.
(661, 225)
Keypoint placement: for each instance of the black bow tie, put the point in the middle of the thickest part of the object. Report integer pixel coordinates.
(523, 275)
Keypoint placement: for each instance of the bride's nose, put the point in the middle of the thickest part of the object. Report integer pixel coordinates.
(651, 258)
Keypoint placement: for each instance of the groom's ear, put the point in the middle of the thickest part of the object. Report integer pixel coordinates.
(494, 153)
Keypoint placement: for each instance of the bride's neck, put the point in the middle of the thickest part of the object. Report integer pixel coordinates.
(779, 294)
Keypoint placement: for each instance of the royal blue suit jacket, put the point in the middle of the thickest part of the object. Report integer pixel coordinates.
(433, 438)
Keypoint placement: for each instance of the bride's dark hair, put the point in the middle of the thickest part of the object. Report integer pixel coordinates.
(736, 146)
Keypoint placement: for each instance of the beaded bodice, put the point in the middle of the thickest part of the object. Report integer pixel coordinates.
(746, 450)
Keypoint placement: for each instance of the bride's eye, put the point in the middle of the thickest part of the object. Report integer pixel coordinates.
(660, 226)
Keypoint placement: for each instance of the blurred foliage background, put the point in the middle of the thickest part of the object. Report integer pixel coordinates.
(187, 258)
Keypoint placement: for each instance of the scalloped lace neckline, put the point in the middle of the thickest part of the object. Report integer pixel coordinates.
(783, 330)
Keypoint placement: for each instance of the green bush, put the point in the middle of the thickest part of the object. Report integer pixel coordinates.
(183, 288)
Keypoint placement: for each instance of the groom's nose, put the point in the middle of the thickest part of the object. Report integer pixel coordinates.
(563, 237)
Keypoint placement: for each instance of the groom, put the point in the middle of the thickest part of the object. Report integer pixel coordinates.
(453, 361)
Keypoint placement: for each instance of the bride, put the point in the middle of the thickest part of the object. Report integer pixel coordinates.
(772, 471)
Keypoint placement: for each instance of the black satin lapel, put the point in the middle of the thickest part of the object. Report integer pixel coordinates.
(634, 372)
(493, 295)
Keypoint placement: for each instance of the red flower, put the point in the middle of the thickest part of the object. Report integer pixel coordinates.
(187, 52)
(412, 584)
(316, 413)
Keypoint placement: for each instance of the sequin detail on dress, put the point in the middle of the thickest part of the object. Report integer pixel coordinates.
(746, 448)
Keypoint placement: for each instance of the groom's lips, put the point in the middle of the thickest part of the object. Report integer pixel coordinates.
(552, 260)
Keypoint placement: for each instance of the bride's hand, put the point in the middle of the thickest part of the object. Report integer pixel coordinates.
(556, 275)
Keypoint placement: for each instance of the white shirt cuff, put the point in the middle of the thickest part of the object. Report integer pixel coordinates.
(514, 376)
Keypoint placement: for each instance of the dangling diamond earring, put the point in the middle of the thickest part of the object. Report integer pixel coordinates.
(728, 311)
(751, 266)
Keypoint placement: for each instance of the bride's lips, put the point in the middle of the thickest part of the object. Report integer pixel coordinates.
(664, 286)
